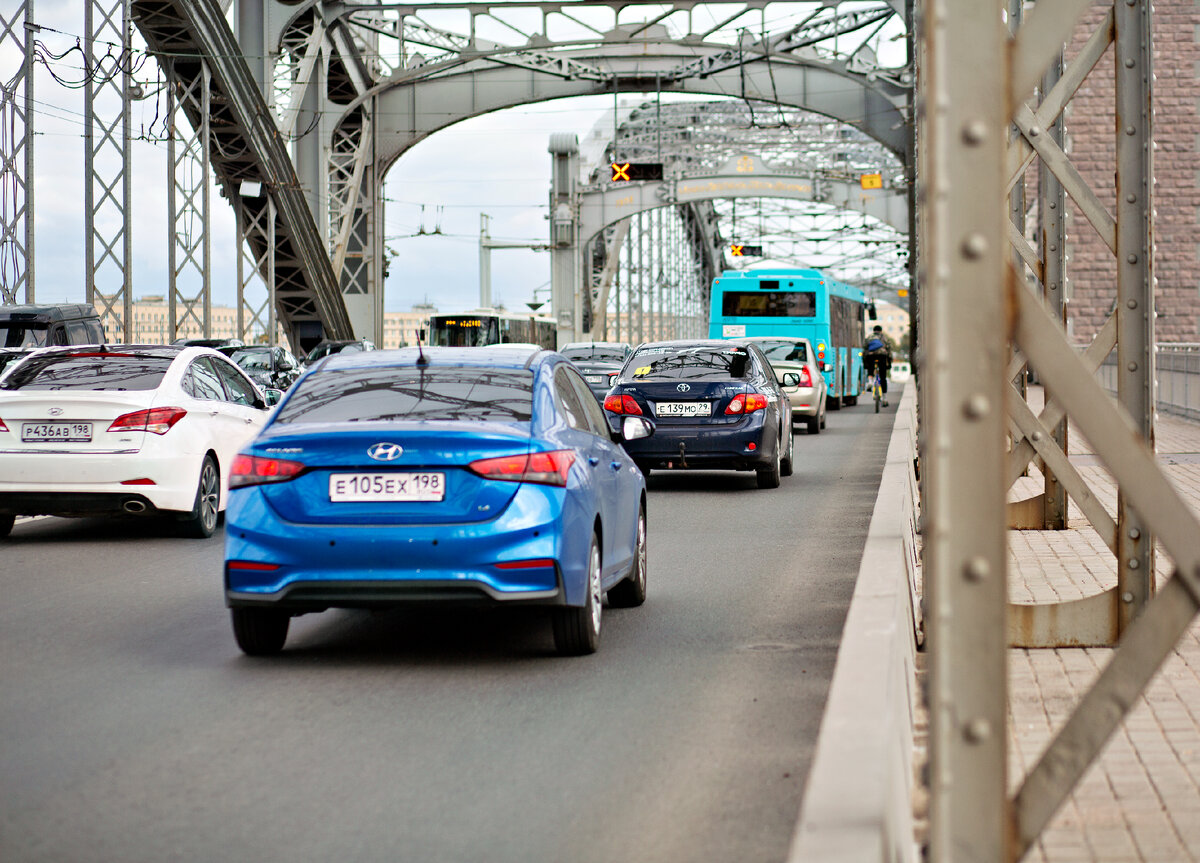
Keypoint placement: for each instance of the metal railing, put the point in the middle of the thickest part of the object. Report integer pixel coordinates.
(1176, 379)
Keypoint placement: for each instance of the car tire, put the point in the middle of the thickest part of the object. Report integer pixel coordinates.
(786, 464)
(824, 416)
(769, 477)
(631, 592)
(259, 631)
(577, 629)
(814, 424)
(6, 524)
(643, 467)
(201, 522)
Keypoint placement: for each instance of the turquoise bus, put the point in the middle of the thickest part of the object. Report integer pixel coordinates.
(802, 304)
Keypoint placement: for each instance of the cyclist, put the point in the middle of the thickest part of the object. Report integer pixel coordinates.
(877, 357)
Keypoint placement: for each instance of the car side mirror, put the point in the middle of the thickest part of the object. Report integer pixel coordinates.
(635, 428)
(790, 379)
(827, 367)
(272, 397)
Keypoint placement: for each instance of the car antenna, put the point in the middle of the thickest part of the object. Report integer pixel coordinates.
(422, 360)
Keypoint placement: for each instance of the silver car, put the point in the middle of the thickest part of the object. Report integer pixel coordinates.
(799, 373)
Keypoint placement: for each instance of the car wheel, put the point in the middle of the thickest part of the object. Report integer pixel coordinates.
(202, 520)
(824, 416)
(259, 631)
(631, 592)
(769, 478)
(785, 465)
(577, 630)
(643, 467)
(814, 424)
(6, 524)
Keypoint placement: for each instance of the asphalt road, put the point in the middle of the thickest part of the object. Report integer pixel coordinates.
(132, 729)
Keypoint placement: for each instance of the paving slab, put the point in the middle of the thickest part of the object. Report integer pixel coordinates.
(1140, 801)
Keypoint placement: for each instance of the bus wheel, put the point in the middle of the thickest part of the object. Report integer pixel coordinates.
(834, 403)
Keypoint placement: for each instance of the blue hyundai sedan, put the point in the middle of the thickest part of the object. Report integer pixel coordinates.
(450, 475)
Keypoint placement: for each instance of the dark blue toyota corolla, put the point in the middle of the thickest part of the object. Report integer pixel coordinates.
(476, 475)
(717, 404)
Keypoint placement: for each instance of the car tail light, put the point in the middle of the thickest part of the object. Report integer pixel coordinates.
(747, 403)
(255, 470)
(619, 404)
(536, 563)
(805, 377)
(3, 427)
(154, 420)
(547, 468)
(252, 565)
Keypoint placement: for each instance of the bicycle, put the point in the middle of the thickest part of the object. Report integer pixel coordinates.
(877, 389)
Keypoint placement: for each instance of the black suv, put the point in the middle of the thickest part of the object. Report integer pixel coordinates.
(29, 326)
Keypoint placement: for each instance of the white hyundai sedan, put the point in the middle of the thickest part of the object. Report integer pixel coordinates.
(124, 430)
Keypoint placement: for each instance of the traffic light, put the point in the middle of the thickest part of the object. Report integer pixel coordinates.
(626, 172)
(739, 250)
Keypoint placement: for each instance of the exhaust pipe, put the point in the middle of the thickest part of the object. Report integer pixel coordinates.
(134, 506)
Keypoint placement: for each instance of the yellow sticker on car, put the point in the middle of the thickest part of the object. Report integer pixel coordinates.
(644, 370)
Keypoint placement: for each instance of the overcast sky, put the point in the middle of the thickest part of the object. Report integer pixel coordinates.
(496, 164)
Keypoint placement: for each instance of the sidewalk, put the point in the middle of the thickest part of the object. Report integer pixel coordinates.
(1140, 801)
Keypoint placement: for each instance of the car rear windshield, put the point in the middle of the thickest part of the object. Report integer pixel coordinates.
(366, 395)
(600, 352)
(257, 360)
(88, 371)
(788, 351)
(688, 363)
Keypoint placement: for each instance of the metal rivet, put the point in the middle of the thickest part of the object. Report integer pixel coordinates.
(975, 132)
(1034, 131)
(1132, 304)
(1128, 62)
(1133, 367)
(1134, 533)
(1134, 563)
(1127, 597)
(1129, 130)
(1131, 198)
(975, 246)
(1053, 247)
(1053, 205)
(977, 406)
(977, 569)
(1132, 259)
(1037, 435)
(977, 730)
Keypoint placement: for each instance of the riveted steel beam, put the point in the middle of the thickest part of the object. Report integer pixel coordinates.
(17, 30)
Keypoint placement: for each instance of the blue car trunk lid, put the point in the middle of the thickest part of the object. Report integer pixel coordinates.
(425, 452)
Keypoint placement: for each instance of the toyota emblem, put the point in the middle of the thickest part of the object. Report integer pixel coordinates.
(683, 388)
(385, 451)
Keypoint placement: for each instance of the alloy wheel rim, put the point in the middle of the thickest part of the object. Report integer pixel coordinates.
(594, 589)
(209, 496)
(641, 553)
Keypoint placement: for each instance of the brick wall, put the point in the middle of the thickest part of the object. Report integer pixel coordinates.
(1091, 269)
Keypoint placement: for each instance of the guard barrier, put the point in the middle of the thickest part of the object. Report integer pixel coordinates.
(858, 802)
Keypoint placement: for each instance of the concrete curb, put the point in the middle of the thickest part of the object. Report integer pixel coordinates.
(858, 802)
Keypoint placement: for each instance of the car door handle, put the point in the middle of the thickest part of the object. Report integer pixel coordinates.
(593, 461)
(249, 420)
(616, 465)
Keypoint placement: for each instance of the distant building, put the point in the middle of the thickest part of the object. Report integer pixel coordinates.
(152, 326)
(893, 319)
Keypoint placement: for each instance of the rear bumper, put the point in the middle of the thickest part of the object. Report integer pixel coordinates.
(358, 566)
(76, 504)
(805, 402)
(703, 448)
(91, 483)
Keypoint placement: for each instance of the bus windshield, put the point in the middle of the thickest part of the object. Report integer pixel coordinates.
(772, 304)
(463, 331)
